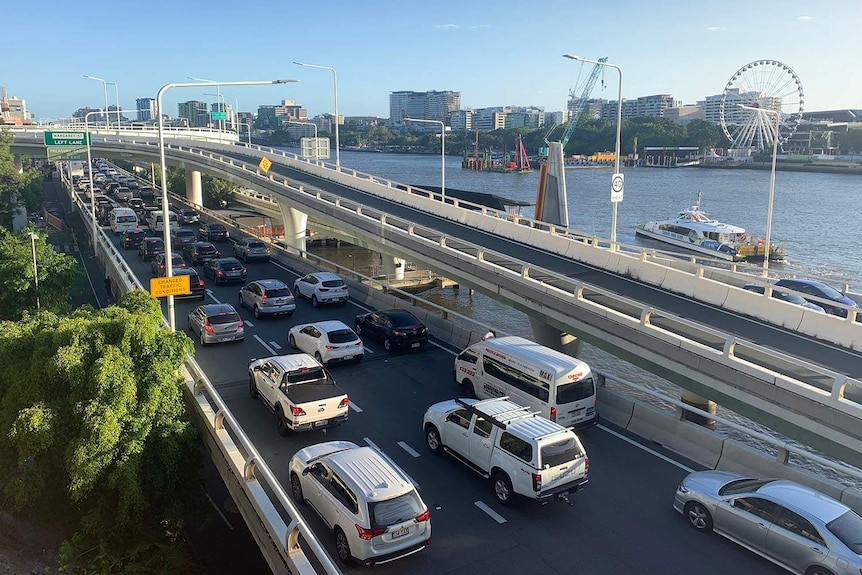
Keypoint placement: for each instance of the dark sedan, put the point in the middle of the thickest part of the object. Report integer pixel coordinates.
(223, 270)
(132, 238)
(150, 246)
(200, 252)
(212, 233)
(397, 328)
(819, 289)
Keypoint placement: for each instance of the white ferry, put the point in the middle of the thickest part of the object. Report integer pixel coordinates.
(694, 230)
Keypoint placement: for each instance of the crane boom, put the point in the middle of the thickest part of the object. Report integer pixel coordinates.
(582, 103)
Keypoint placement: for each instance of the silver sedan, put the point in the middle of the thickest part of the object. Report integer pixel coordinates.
(792, 525)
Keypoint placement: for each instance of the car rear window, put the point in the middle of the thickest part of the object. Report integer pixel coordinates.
(217, 228)
(205, 249)
(560, 452)
(184, 233)
(332, 283)
(256, 245)
(576, 390)
(402, 319)
(277, 292)
(341, 336)
(304, 375)
(232, 266)
(223, 318)
(396, 510)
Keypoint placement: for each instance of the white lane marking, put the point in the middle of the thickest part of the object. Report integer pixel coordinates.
(371, 443)
(647, 449)
(367, 350)
(491, 513)
(275, 345)
(214, 298)
(248, 323)
(264, 344)
(219, 511)
(408, 449)
(354, 407)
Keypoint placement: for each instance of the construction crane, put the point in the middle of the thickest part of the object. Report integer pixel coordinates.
(581, 104)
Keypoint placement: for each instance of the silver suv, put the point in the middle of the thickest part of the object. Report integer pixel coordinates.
(267, 297)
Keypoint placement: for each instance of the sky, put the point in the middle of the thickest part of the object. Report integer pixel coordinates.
(495, 53)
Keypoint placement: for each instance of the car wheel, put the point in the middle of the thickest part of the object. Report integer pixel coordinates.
(342, 546)
(252, 388)
(296, 489)
(314, 301)
(502, 488)
(292, 341)
(467, 389)
(818, 570)
(256, 312)
(698, 517)
(432, 439)
(281, 423)
(387, 344)
(318, 357)
(358, 328)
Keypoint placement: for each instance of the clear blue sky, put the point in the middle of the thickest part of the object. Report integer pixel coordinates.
(495, 53)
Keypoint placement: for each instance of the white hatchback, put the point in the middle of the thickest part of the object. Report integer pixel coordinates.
(370, 504)
(327, 341)
(321, 287)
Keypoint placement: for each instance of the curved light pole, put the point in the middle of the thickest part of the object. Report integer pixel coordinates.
(617, 179)
(169, 271)
(248, 130)
(117, 96)
(442, 150)
(335, 85)
(105, 85)
(315, 132)
(768, 247)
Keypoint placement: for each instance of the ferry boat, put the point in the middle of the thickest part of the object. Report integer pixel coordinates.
(694, 230)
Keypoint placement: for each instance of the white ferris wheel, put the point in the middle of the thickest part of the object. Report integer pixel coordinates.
(751, 96)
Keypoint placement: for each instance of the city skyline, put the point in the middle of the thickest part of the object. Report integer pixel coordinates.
(484, 51)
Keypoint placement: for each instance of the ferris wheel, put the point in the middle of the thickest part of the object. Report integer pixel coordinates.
(751, 98)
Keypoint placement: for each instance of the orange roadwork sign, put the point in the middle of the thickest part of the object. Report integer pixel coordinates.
(175, 285)
(265, 164)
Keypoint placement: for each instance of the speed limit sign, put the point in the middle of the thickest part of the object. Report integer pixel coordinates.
(617, 185)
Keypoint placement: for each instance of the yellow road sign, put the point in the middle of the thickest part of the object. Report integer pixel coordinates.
(264, 164)
(176, 285)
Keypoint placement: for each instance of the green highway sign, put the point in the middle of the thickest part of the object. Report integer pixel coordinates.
(219, 115)
(66, 153)
(75, 139)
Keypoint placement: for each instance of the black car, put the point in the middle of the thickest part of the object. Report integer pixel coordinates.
(136, 204)
(146, 192)
(212, 233)
(149, 247)
(223, 270)
(196, 284)
(188, 216)
(397, 328)
(251, 249)
(132, 238)
(199, 252)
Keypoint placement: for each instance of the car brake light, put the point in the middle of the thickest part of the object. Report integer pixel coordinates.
(244, 271)
(343, 402)
(587, 470)
(239, 322)
(330, 347)
(553, 414)
(297, 411)
(369, 533)
(263, 299)
(397, 333)
(537, 481)
(423, 516)
(221, 273)
(200, 282)
(208, 327)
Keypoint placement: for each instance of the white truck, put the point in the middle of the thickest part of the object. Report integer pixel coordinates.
(520, 451)
(299, 391)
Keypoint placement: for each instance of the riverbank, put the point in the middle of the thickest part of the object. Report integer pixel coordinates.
(819, 168)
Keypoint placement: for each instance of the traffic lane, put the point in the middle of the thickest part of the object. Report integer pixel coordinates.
(774, 337)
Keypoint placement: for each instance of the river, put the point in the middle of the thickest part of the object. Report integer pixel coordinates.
(815, 218)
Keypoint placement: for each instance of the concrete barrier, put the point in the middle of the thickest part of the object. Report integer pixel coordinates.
(695, 442)
(613, 407)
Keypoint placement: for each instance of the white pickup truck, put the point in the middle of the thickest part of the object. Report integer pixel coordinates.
(299, 391)
(520, 451)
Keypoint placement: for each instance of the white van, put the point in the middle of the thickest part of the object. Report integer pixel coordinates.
(156, 221)
(122, 219)
(558, 386)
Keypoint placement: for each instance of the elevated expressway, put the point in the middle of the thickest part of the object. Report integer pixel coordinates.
(795, 371)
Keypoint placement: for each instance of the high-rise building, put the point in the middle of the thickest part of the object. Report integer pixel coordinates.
(489, 119)
(195, 112)
(461, 119)
(146, 108)
(271, 117)
(433, 105)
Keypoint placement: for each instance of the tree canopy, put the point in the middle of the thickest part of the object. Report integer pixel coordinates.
(16, 188)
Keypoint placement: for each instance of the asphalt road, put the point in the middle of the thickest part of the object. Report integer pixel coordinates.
(623, 522)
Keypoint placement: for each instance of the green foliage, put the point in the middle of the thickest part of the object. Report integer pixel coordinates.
(15, 188)
(18, 291)
(94, 428)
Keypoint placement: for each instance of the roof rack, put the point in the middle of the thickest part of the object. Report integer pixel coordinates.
(493, 419)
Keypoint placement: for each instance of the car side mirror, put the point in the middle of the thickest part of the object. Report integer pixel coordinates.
(306, 471)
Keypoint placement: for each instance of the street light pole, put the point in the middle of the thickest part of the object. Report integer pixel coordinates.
(218, 95)
(117, 95)
(33, 238)
(105, 85)
(442, 150)
(335, 85)
(617, 179)
(248, 130)
(169, 271)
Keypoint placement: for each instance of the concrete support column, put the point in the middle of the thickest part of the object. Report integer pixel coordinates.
(194, 190)
(554, 338)
(295, 225)
(701, 403)
(393, 267)
(19, 163)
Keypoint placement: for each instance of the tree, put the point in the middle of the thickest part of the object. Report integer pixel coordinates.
(95, 430)
(18, 291)
(16, 189)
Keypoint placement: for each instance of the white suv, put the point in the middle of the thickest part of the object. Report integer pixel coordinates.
(321, 287)
(520, 451)
(372, 506)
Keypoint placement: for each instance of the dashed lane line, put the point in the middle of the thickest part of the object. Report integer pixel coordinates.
(354, 407)
(274, 345)
(248, 323)
(645, 448)
(264, 344)
(408, 449)
(214, 298)
(491, 513)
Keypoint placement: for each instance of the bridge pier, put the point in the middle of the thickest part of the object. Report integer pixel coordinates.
(18, 160)
(393, 267)
(194, 190)
(295, 226)
(699, 402)
(555, 338)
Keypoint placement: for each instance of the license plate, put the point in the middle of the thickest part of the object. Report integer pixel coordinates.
(321, 423)
(279, 302)
(232, 274)
(414, 344)
(400, 532)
